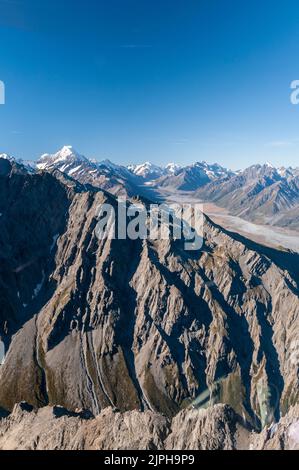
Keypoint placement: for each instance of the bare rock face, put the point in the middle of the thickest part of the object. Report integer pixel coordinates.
(54, 428)
(28, 429)
(260, 193)
(138, 325)
(123, 431)
(216, 428)
(283, 435)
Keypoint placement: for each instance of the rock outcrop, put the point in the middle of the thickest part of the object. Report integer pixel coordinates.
(55, 428)
(217, 428)
(283, 435)
(261, 194)
(138, 325)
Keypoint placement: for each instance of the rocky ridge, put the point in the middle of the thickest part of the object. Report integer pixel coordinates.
(261, 194)
(217, 428)
(91, 323)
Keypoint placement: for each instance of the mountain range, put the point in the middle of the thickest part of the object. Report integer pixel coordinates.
(137, 324)
(261, 194)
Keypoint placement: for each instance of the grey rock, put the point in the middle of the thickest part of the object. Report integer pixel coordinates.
(216, 428)
(138, 325)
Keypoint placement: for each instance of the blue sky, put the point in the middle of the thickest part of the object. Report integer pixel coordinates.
(135, 80)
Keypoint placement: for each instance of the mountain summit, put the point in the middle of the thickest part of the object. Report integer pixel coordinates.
(64, 159)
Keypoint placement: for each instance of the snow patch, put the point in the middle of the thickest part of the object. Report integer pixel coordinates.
(39, 286)
(74, 169)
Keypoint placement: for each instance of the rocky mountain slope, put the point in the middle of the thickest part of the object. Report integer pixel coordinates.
(261, 194)
(91, 323)
(192, 177)
(217, 428)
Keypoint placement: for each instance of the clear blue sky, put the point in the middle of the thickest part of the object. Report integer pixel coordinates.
(160, 80)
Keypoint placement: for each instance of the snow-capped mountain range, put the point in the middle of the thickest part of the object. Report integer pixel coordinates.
(90, 322)
(71, 162)
(260, 193)
(112, 176)
(108, 174)
(150, 171)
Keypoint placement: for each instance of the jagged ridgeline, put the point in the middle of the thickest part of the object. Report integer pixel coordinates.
(90, 323)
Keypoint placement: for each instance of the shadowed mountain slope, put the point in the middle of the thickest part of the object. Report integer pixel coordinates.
(136, 324)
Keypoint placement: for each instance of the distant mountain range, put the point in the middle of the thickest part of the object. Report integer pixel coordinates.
(149, 171)
(136, 324)
(261, 193)
(114, 178)
(108, 175)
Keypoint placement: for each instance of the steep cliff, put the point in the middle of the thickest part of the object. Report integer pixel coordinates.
(91, 323)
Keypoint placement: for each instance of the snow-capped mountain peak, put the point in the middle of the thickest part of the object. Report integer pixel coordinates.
(287, 172)
(201, 171)
(5, 156)
(172, 167)
(66, 154)
(68, 151)
(27, 166)
(147, 170)
(104, 174)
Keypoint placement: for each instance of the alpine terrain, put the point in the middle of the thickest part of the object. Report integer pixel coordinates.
(136, 331)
